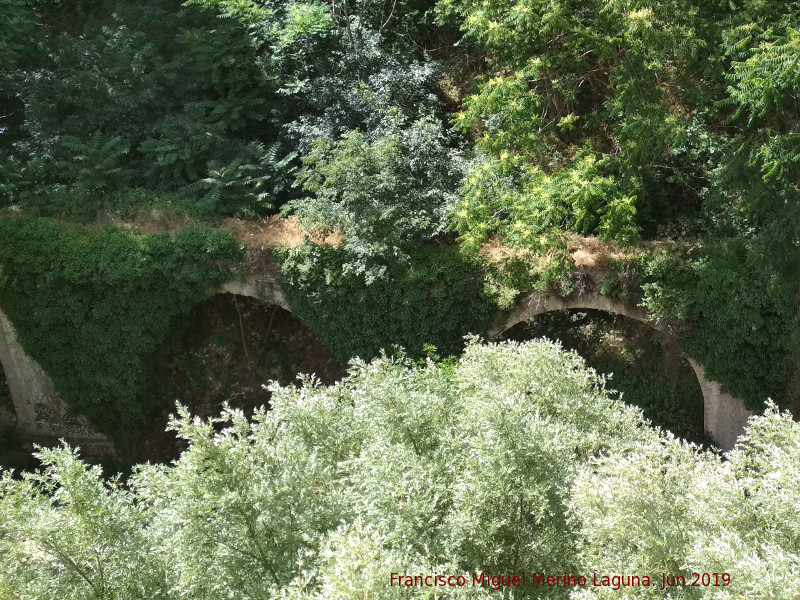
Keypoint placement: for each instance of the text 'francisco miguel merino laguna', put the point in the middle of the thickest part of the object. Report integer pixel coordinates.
(616, 582)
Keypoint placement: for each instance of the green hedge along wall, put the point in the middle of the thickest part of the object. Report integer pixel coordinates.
(93, 305)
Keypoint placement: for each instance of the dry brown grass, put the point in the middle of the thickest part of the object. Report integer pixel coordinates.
(496, 252)
(588, 251)
(260, 234)
(585, 251)
(275, 231)
(149, 222)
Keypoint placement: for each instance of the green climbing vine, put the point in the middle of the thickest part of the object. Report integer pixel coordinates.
(432, 297)
(92, 305)
(740, 316)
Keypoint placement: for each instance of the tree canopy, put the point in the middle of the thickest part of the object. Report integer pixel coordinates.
(513, 459)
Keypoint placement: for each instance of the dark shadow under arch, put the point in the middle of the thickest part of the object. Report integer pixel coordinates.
(11, 454)
(647, 364)
(8, 415)
(225, 350)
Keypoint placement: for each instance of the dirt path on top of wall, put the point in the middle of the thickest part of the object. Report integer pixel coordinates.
(256, 234)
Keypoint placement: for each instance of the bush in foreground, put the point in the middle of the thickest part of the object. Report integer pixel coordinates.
(515, 459)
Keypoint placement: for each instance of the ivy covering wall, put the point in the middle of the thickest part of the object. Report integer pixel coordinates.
(739, 317)
(92, 306)
(434, 298)
(406, 126)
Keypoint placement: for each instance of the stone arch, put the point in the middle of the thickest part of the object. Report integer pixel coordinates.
(223, 350)
(535, 303)
(301, 345)
(265, 288)
(724, 416)
(8, 413)
(41, 414)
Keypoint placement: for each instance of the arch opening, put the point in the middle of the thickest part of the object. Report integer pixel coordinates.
(647, 365)
(225, 350)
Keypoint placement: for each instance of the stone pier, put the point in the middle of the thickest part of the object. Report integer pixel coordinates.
(41, 415)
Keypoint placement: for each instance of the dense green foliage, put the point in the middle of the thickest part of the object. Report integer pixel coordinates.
(740, 318)
(514, 459)
(662, 119)
(385, 191)
(405, 131)
(392, 122)
(183, 102)
(432, 298)
(618, 117)
(171, 100)
(585, 115)
(92, 306)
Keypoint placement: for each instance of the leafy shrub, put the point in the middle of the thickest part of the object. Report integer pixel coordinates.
(248, 185)
(384, 190)
(441, 469)
(432, 298)
(741, 317)
(697, 513)
(578, 102)
(512, 460)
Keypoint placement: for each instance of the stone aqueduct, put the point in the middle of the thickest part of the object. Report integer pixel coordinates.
(43, 418)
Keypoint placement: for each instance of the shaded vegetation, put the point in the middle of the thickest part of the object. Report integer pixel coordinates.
(741, 318)
(641, 363)
(407, 128)
(432, 298)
